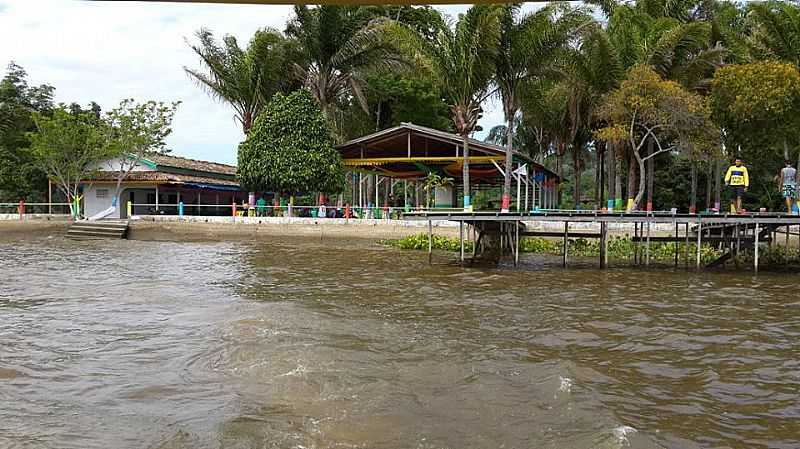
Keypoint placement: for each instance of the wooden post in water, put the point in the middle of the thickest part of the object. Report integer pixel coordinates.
(430, 241)
(516, 243)
(603, 244)
(699, 239)
(686, 247)
(474, 241)
(461, 239)
(647, 245)
(675, 245)
(636, 243)
(566, 243)
(755, 260)
(788, 229)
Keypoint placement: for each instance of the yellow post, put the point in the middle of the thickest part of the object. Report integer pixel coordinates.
(130, 208)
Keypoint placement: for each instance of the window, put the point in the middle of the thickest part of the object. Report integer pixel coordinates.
(102, 193)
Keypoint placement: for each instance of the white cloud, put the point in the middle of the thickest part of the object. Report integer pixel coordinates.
(108, 51)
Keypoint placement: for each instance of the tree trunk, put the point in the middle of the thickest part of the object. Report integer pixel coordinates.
(650, 174)
(467, 199)
(506, 199)
(693, 197)
(612, 175)
(599, 185)
(632, 192)
(717, 184)
(618, 167)
(642, 180)
(576, 174)
(709, 174)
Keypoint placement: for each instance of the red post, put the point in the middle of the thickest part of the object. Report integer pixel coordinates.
(649, 206)
(347, 210)
(233, 209)
(21, 209)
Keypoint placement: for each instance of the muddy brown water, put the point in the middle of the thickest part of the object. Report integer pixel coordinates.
(163, 345)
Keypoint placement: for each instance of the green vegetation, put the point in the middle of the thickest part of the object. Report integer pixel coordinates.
(619, 248)
(290, 149)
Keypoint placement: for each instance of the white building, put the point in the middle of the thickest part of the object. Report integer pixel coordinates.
(159, 183)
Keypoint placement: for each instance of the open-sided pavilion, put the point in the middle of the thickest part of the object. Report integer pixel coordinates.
(408, 153)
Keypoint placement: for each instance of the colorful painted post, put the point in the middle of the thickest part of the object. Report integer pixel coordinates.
(21, 208)
(347, 211)
(233, 209)
(180, 209)
(130, 209)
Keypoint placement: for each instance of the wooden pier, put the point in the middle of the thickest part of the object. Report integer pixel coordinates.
(732, 233)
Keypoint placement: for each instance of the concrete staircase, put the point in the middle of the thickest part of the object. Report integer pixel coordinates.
(100, 229)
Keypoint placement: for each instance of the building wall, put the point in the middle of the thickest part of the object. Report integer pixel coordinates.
(97, 198)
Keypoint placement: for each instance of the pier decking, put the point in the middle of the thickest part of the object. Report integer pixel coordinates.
(732, 233)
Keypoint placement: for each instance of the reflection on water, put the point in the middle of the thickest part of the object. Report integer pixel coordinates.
(274, 345)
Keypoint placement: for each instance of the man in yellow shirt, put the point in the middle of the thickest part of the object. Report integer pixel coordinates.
(738, 180)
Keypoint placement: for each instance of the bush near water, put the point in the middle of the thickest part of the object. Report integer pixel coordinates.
(618, 248)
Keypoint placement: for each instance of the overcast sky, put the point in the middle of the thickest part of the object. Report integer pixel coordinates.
(108, 51)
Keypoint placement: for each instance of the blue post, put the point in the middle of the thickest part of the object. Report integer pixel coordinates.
(180, 209)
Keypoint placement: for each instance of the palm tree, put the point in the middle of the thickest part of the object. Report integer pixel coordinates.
(775, 31)
(244, 78)
(341, 46)
(527, 46)
(591, 71)
(463, 57)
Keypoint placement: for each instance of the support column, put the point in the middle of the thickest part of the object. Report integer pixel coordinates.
(430, 241)
(603, 244)
(516, 243)
(675, 245)
(461, 239)
(755, 259)
(647, 245)
(50, 200)
(686, 246)
(699, 240)
(566, 243)
(156, 197)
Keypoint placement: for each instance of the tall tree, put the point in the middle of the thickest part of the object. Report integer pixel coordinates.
(775, 31)
(340, 47)
(244, 78)
(463, 58)
(20, 177)
(528, 45)
(67, 146)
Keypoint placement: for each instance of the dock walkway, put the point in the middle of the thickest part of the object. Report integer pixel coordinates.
(732, 233)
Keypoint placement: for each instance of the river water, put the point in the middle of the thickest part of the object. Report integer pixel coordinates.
(136, 344)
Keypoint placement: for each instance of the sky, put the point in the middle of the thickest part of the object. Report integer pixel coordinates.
(106, 51)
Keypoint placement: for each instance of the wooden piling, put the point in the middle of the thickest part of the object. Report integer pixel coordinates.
(461, 239)
(675, 244)
(755, 250)
(566, 243)
(686, 246)
(699, 240)
(430, 242)
(603, 244)
(516, 244)
(647, 245)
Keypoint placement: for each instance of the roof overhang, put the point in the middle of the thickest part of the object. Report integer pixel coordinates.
(411, 151)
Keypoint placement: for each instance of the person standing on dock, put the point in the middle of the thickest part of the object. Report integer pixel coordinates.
(788, 185)
(738, 180)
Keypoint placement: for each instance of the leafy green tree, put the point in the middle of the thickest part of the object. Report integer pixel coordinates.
(758, 104)
(244, 78)
(407, 97)
(20, 177)
(290, 149)
(67, 146)
(463, 58)
(645, 107)
(136, 131)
